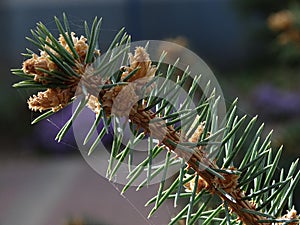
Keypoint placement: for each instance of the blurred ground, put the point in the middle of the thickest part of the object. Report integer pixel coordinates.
(48, 191)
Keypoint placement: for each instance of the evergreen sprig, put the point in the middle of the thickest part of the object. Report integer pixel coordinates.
(208, 156)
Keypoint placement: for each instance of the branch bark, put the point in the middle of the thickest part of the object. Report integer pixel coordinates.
(142, 119)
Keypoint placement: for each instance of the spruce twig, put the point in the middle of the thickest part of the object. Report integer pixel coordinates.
(68, 68)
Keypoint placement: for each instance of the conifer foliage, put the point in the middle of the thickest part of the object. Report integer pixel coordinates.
(229, 174)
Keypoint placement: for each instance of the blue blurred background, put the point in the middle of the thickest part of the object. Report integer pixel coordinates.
(42, 182)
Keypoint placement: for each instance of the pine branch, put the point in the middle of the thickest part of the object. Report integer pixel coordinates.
(70, 68)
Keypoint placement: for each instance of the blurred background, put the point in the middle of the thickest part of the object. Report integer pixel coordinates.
(253, 47)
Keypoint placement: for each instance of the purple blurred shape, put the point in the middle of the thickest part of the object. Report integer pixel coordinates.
(275, 103)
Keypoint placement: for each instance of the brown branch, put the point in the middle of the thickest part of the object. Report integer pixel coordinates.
(142, 119)
(57, 98)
